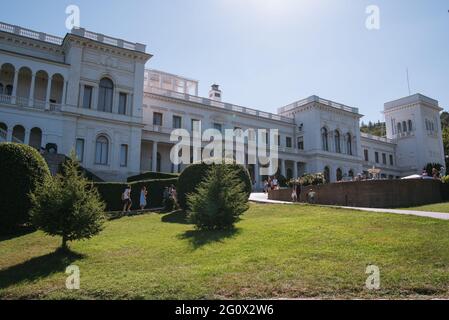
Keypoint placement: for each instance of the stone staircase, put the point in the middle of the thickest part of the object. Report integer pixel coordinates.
(54, 161)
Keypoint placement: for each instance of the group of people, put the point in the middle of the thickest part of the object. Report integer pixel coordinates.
(127, 199)
(271, 184)
(169, 193)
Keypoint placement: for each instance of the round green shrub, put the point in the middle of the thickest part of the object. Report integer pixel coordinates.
(22, 169)
(194, 174)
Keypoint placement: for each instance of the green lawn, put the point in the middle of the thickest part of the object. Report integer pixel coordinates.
(438, 207)
(276, 252)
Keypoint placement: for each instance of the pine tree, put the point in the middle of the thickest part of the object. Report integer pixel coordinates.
(68, 205)
(219, 200)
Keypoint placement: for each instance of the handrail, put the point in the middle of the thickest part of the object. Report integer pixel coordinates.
(329, 103)
(218, 104)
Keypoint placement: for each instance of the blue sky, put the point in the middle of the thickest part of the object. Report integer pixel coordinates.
(268, 53)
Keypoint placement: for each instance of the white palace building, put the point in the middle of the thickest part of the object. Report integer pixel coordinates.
(91, 93)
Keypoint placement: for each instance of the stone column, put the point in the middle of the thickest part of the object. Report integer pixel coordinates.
(9, 135)
(47, 95)
(257, 174)
(33, 84)
(154, 157)
(27, 137)
(64, 93)
(295, 170)
(282, 163)
(14, 87)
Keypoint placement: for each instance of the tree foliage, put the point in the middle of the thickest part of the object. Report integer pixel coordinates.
(219, 200)
(68, 206)
(22, 168)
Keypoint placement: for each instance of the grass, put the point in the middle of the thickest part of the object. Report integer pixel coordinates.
(275, 252)
(438, 207)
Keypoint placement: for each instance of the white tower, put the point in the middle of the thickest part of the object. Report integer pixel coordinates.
(215, 93)
(414, 124)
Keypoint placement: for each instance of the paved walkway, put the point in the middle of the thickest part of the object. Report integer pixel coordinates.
(263, 198)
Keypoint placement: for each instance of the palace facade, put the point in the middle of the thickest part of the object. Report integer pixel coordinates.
(91, 93)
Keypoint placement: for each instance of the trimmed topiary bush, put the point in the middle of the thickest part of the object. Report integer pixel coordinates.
(22, 168)
(152, 176)
(111, 193)
(194, 174)
(219, 200)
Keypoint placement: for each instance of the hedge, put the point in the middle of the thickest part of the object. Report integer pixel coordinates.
(152, 176)
(21, 169)
(111, 193)
(192, 176)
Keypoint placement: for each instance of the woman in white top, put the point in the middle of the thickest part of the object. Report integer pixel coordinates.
(143, 198)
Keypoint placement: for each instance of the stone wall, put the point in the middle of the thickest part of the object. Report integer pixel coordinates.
(371, 194)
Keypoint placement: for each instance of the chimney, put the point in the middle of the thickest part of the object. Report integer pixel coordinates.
(215, 93)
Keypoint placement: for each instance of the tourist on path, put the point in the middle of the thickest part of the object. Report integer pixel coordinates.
(143, 198)
(126, 197)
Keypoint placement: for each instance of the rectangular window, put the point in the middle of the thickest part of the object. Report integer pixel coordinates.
(157, 119)
(288, 142)
(301, 143)
(123, 99)
(366, 155)
(218, 126)
(384, 158)
(87, 98)
(80, 149)
(196, 125)
(123, 155)
(251, 135)
(391, 160)
(377, 157)
(177, 122)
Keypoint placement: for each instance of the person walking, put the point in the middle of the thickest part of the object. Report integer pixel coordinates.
(143, 198)
(126, 198)
(294, 195)
(298, 192)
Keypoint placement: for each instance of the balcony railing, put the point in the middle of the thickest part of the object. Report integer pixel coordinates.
(377, 138)
(218, 104)
(25, 103)
(6, 27)
(329, 103)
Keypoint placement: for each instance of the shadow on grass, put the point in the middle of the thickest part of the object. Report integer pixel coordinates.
(39, 267)
(19, 232)
(179, 217)
(201, 238)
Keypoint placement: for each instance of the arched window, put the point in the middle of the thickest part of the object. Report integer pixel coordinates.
(349, 144)
(105, 94)
(351, 174)
(8, 90)
(327, 175)
(36, 138)
(324, 138)
(339, 174)
(410, 126)
(404, 126)
(18, 134)
(101, 150)
(1, 88)
(289, 174)
(3, 132)
(337, 142)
